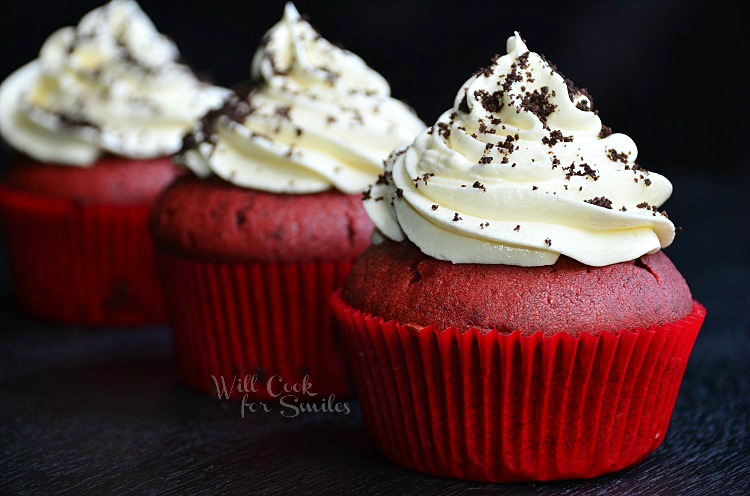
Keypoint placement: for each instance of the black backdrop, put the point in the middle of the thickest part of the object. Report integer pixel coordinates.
(670, 73)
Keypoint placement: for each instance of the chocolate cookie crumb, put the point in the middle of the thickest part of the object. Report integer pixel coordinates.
(507, 145)
(538, 103)
(385, 178)
(491, 102)
(444, 130)
(523, 60)
(600, 201)
(283, 112)
(646, 206)
(616, 156)
(585, 170)
(556, 137)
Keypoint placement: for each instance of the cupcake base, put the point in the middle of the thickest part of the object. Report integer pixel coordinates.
(264, 324)
(80, 264)
(505, 407)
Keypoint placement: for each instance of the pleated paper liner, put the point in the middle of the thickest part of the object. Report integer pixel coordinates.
(255, 322)
(88, 265)
(503, 408)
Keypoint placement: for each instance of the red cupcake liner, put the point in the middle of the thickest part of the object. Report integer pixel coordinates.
(88, 265)
(507, 407)
(270, 320)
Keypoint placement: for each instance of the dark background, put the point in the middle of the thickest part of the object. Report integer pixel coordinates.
(101, 411)
(672, 74)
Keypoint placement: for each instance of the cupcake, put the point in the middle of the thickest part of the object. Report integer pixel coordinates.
(516, 319)
(94, 119)
(251, 245)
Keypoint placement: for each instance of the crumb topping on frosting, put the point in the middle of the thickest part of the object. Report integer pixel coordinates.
(316, 117)
(535, 153)
(111, 84)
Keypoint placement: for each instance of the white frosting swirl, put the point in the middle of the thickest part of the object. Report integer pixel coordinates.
(318, 117)
(111, 84)
(519, 172)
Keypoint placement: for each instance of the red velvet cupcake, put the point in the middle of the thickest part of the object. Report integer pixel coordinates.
(97, 116)
(516, 320)
(251, 249)
(248, 274)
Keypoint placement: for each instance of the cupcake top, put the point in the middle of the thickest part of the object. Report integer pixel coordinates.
(316, 118)
(112, 84)
(520, 171)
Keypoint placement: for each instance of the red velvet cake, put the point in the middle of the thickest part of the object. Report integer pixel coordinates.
(109, 181)
(252, 247)
(248, 274)
(398, 282)
(78, 242)
(516, 319)
(95, 120)
(214, 220)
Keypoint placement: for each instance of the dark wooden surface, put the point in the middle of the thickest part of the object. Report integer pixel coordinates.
(98, 412)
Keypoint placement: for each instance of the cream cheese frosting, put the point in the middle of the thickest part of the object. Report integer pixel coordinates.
(520, 171)
(112, 84)
(317, 118)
